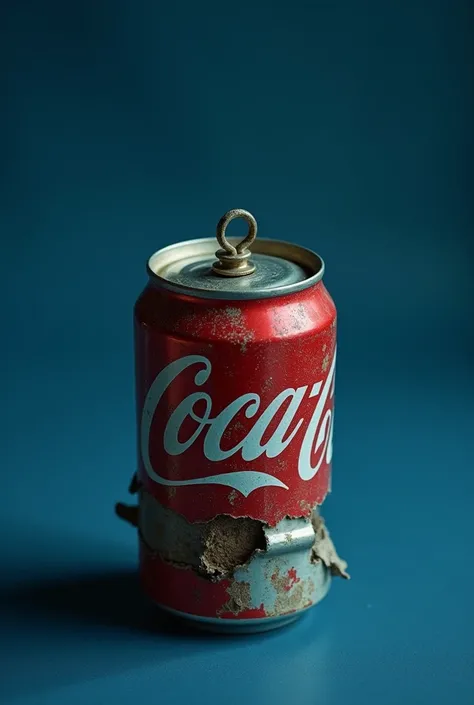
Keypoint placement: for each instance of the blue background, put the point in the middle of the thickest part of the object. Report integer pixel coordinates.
(344, 126)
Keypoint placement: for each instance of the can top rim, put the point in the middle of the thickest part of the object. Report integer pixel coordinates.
(282, 268)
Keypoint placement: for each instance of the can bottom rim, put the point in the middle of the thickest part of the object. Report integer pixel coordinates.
(234, 626)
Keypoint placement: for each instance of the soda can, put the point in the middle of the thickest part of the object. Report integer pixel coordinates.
(235, 371)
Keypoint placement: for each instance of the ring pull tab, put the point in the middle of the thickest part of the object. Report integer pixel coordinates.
(235, 261)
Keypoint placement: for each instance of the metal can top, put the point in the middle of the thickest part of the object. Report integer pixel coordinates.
(271, 268)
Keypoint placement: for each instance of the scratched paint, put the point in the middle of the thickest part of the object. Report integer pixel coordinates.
(278, 577)
(283, 583)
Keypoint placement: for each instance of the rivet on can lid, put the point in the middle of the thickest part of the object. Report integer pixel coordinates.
(234, 261)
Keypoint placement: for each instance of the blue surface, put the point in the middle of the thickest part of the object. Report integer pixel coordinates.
(343, 126)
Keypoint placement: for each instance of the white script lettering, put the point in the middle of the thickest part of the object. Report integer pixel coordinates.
(317, 439)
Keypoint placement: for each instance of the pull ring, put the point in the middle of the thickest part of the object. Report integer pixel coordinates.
(234, 261)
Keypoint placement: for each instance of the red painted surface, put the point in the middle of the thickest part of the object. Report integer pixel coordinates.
(255, 613)
(261, 347)
(292, 580)
(183, 590)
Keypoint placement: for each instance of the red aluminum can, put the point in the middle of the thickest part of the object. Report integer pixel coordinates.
(235, 370)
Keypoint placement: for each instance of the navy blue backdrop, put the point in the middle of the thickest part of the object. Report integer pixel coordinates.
(344, 126)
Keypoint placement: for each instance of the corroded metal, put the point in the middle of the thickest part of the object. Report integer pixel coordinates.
(234, 261)
(247, 574)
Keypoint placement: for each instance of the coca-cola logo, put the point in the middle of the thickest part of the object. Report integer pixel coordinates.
(316, 446)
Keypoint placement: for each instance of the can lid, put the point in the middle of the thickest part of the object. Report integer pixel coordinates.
(271, 268)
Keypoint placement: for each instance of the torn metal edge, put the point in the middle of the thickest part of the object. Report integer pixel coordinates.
(322, 549)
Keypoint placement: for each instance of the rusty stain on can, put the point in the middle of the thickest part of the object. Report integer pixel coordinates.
(305, 507)
(292, 593)
(226, 323)
(171, 491)
(230, 542)
(267, 384)
(240, 598)
(325, 363)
